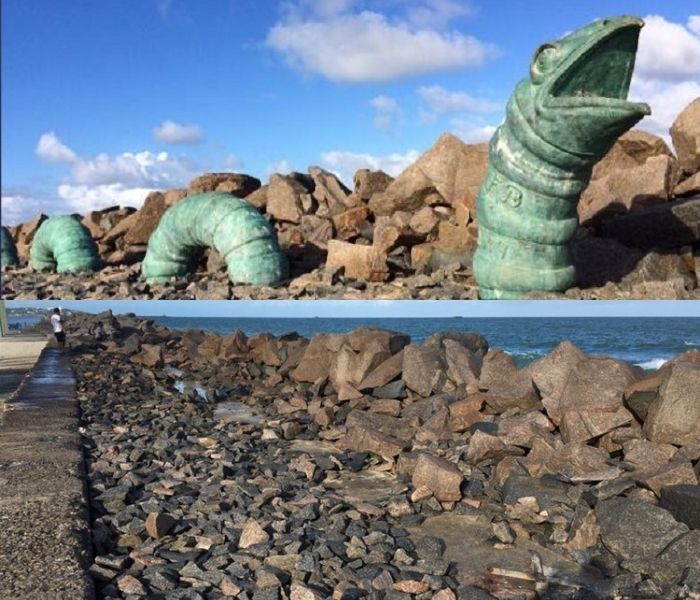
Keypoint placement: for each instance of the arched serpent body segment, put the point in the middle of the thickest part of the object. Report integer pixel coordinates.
(8, 250)
(63, 244)
(233, 227)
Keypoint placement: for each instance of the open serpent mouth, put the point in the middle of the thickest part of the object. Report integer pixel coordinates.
(599, 74)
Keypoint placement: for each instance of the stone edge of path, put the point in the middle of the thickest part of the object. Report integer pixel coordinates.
(45, 545)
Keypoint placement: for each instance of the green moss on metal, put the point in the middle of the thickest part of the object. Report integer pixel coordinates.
(8, 250)
(63, 244)
(559, 122)
(231, 226)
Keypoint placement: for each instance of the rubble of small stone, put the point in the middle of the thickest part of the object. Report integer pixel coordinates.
(414, 236)
(366, 466)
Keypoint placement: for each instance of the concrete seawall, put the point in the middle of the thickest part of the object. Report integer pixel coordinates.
(44, 519)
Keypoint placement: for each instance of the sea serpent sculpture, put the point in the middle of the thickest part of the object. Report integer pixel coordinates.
(233, 227)
(8, 250)
(559, 122)
(63, 244)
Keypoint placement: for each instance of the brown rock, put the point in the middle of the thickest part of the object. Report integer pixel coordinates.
(210, 347)
(174, 196)
(287, 198)
(505, 385)
(422, 366)
(130, 586)
(585, 535)
(641, 394)
(316, 361)
(688, 187)
(424, 221)
(674, 473)
(440, 476)
(685, 133)
(234, 345)
(647, 456)
(391, 341)
(628, 189)
(384, 373)
(594, 383)
(302, 592)
(238, 184)
(411, 586)
(144, 221)
(252, 534)
(358, 262)
(584, 425)
(483, 446)
(348, 366)
(450, 169)
(463, 365)
(350, 222)
(667, 225)
(445, 594)
(367, 183)
(366, 439)
(329, 192)
(520, 430)
(674, 418)
(464, 413)
(316, 230)
(26, 235)
(632, 149)
(159, 524)
(456, 237)
(150, 356)
(580, 463)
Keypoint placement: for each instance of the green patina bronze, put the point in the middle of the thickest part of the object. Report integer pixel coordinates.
(559, 122)
(8, 250)
(63, 244)
(233, 227)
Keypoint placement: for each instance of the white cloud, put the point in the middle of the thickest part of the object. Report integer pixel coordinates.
(140, 169)
(346, 163)
(232, 162)
(104, 180)
(282, 167)
(51, 149)
(20, 205)
(386, 113)
(668, 51)
(667, 73)
(170, 132)
(366, 46)
(437, 13)
(472, 133)
(86, 198)
(694, 24)
(443, 102)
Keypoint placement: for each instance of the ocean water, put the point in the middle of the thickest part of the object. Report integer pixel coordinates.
(647, 342)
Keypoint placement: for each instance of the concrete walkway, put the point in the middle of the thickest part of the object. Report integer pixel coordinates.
(44, 522)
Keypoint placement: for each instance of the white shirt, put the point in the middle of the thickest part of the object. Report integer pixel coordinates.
(56, 323)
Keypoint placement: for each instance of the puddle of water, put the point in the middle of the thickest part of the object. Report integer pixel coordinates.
(183, 386)
(172, 371)
(237, 412)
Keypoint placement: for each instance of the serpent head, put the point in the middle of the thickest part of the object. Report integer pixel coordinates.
(576, 96)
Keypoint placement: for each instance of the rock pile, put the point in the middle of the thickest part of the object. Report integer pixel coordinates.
(365, 466)
(413, 236)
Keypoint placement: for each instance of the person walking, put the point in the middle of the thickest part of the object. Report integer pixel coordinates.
(58, 331)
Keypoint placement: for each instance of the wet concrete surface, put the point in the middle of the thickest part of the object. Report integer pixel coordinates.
(45, 541)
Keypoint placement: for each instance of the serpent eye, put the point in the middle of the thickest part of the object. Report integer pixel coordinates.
(544, 61)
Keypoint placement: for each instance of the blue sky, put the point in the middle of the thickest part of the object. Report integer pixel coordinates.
(103, 101)
(377, 308)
